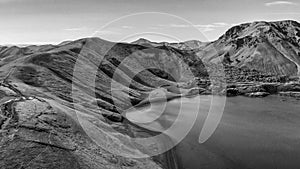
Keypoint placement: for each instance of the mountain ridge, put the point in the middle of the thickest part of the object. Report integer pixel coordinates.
(257, 45)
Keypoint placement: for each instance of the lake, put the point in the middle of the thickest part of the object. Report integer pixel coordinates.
(253, 133)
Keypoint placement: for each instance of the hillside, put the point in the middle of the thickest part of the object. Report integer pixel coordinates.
(268, 47)
(101, 80)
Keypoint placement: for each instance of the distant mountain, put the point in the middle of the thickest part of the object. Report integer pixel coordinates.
(187, 45)
(269, 47)
(143, 41)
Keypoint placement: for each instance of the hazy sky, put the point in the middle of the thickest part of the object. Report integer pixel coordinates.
(53, 21)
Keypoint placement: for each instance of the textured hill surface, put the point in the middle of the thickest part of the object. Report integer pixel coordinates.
(269, 47)
(39, 126)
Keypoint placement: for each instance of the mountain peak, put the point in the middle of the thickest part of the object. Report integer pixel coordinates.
(269, 47)
(141, 40)
(287, 29)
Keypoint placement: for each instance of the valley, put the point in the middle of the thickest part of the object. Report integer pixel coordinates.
(68, 105)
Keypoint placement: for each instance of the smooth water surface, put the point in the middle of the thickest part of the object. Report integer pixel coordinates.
(254, 133)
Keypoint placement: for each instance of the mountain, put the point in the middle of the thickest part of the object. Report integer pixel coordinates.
(269, 47)
(187, 45)
(42, 85)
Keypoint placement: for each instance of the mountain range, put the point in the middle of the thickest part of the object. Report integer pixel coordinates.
(42, 85)
(270, 47)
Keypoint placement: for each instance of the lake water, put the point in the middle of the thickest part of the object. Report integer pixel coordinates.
(254, 133)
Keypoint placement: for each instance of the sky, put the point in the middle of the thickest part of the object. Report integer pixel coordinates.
(54, 21)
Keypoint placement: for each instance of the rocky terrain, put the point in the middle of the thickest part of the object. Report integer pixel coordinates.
(268, 47)
(39, 133)
(47, 91)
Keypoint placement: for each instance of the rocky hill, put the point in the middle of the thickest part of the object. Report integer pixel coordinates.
(107, 78)
(268, 47)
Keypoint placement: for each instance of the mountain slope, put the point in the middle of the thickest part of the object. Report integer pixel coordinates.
(101, 80)
(269, 47)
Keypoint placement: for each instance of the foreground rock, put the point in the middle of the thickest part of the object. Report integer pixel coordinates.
(36, 133)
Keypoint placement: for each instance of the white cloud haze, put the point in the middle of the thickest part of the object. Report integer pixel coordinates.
(280, 3)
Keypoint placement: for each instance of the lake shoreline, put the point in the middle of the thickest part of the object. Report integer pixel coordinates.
(168, 159)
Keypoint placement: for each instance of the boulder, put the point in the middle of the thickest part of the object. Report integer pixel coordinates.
(271, 88)
(293, 86)
(232, 92)
(257, 94)
(251, 89)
